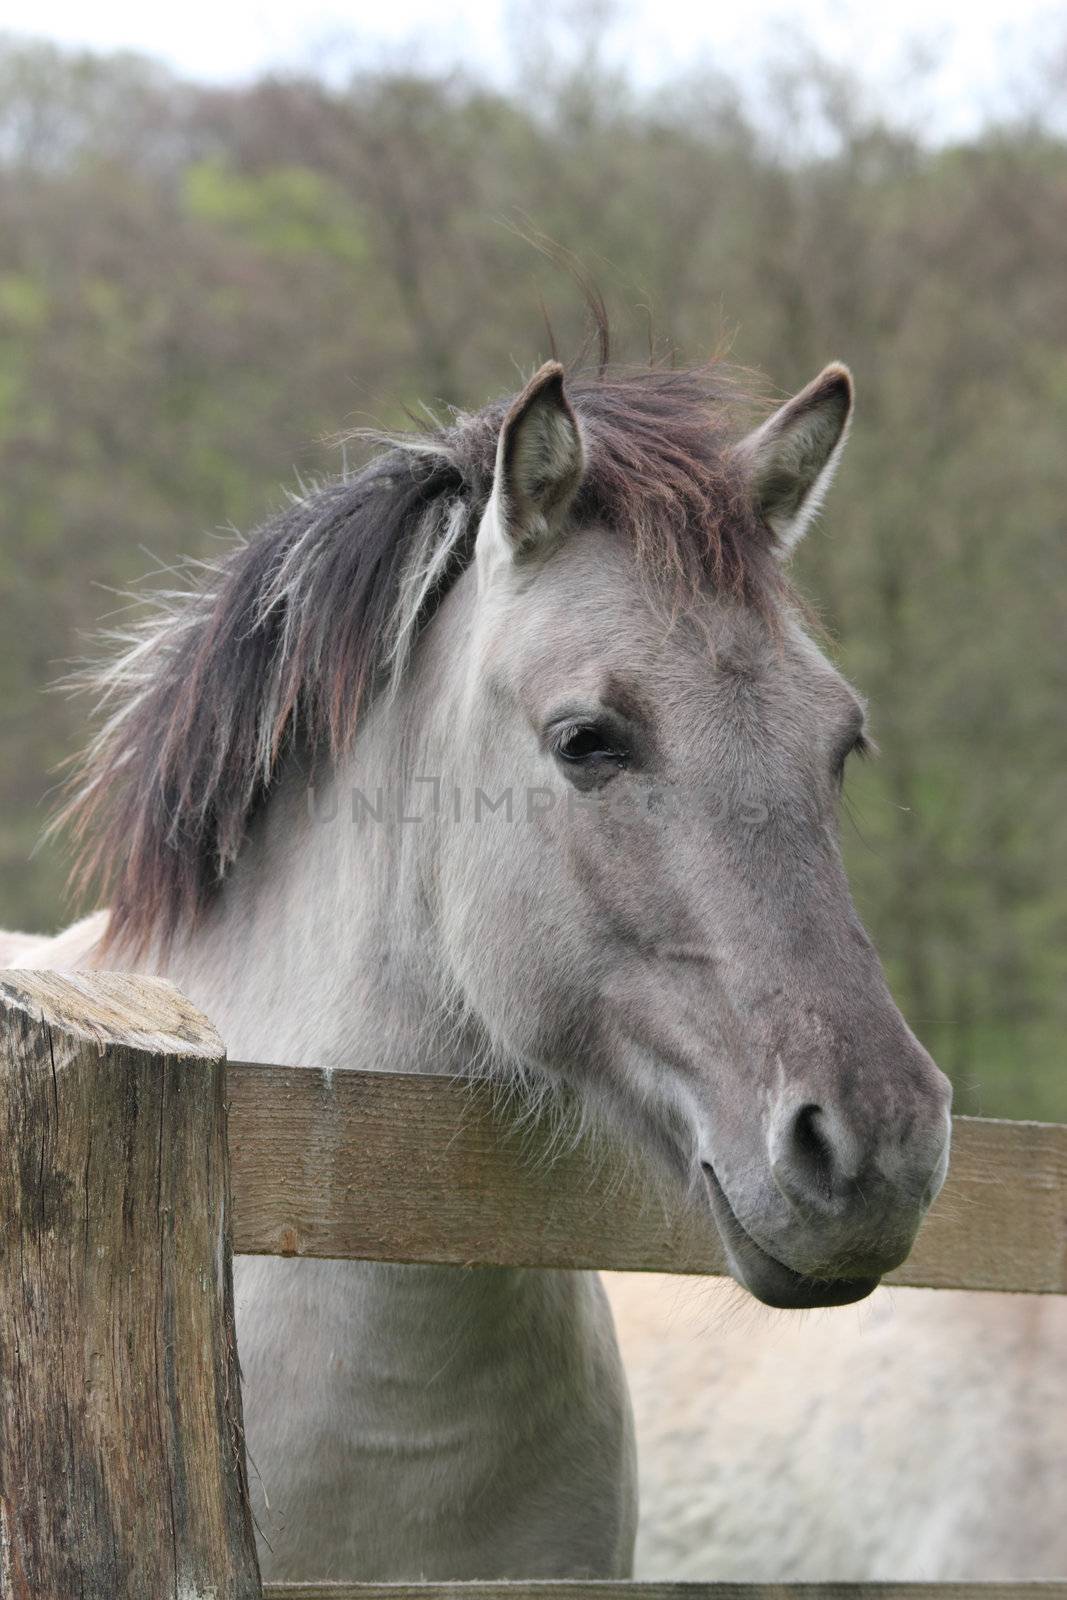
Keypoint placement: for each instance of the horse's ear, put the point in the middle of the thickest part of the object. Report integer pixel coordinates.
(791, 458)
(538, 464)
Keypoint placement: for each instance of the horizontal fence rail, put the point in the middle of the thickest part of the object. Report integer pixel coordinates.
(594, 1589)
(392, 1167)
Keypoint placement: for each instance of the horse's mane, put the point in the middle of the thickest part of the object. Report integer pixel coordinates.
(284, 638)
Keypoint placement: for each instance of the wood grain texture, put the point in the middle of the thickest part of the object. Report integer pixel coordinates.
(113, 1008)
(612, 1590)
(392, 1167)
(122, 1466)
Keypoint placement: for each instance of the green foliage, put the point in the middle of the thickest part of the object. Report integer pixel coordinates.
(200, 287)
(286, 208)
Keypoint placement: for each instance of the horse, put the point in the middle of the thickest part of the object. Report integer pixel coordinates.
(514, 753)
(914, 1439)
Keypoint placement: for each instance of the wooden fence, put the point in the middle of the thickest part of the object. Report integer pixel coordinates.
(133, 1158)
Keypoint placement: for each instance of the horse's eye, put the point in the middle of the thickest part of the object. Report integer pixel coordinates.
(861, 746)
(587, 744)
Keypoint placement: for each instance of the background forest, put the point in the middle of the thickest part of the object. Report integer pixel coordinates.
(199, 287)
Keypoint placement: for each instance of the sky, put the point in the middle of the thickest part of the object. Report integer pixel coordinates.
(976, 50)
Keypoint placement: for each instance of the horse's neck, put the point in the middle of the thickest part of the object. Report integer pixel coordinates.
(319, 951)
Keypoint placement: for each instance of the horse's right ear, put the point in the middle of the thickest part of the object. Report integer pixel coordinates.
(539, 463)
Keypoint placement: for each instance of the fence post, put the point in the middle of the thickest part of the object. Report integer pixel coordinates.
(122, 1464)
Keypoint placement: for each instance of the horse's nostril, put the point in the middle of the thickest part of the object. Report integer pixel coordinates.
(805, 1163)
(812, 1149)
(806, 1133)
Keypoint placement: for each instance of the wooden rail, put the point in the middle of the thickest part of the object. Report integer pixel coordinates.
(608, 1590)
(408, 1168)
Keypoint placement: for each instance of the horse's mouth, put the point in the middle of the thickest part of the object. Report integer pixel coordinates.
(769, 1279)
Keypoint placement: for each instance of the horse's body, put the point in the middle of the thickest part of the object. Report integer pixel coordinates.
(919, 1438)
(584, 615)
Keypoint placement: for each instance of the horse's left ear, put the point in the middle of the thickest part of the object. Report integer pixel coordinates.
(791, 458)
(539, 464)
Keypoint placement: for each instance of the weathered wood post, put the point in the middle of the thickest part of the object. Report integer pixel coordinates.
(122, 1465)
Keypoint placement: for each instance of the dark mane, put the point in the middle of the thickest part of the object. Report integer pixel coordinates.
(288, 634)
